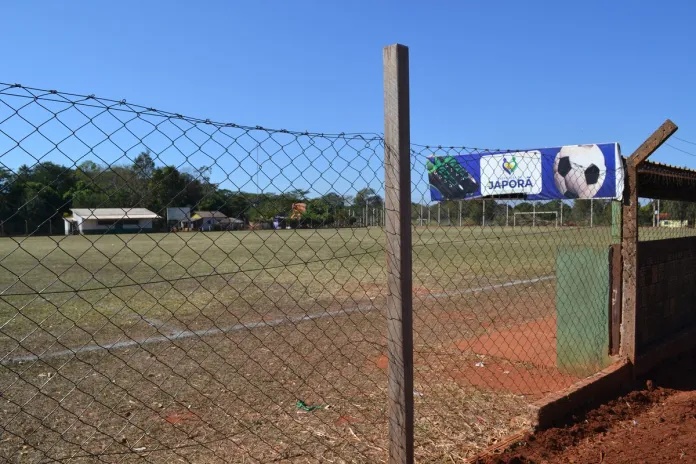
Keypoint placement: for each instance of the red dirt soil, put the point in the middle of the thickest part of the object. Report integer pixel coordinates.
(518, 379)
(520, 359)
(653, 425)
(533, 342)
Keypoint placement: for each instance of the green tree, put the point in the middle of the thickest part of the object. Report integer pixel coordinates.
(143, 165)
(645, 215)
(41, 204)
(318, 213)
(167, 187)
(334, 201)
(367, 197)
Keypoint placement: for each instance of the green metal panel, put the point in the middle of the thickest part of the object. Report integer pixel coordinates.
(582, 307)
(616, 221)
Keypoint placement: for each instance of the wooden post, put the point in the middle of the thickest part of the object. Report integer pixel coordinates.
(615, 297)
(629, 241)
(397, 179)
(629, 256)
(483, 212)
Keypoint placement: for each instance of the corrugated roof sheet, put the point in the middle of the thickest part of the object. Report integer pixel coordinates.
(210, 214)
(650, 163)
(114, 213)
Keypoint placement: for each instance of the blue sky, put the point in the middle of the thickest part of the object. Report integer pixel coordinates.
(483, 74)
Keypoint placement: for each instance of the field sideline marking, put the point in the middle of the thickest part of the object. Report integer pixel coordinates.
(247, 326)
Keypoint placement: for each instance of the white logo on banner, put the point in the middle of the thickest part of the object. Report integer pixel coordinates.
(507, 173)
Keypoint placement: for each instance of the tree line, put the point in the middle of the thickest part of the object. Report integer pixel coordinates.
(36, 198)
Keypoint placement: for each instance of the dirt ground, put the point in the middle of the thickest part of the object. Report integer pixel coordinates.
(229, 397)
(654, 424)
(216, 368)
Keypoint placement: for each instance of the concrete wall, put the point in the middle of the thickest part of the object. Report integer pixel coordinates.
(666, 290)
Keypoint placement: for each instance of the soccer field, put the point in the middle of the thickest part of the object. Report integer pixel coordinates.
(106, 285)
(200, 344)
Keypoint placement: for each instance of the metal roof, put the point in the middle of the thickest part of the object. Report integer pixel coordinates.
(209, 214)
(667, 182)
(114, 213)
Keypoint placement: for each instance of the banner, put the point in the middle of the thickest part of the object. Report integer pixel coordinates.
(568, 172)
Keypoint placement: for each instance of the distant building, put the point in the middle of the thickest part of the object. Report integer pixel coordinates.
(179, 217)
(673, 223)
(231, 224)
(109, 220)
(206, 220)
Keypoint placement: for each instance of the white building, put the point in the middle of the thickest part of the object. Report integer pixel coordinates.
(179, 217)
(109, 220)
(673, 223)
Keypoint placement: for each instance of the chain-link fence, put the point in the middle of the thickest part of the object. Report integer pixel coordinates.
(512, 299)
(178, 288)
(664, 219)
(174, 288)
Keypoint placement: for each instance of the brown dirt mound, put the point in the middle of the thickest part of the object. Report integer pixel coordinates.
(654, 425)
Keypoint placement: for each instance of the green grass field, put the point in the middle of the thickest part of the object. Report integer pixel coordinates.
(104, 284)
(197, 345)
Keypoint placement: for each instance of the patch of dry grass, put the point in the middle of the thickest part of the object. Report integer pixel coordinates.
(231, 396)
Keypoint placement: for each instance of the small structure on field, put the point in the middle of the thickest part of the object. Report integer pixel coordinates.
(109, 220)
(179, 218)
(673, 223)
(207, 220)
(231, 224)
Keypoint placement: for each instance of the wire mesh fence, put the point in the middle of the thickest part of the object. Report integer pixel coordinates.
(179, 288)
(511, 297)
(665, 219)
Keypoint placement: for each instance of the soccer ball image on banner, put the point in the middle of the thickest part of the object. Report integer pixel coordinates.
(579, 170)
